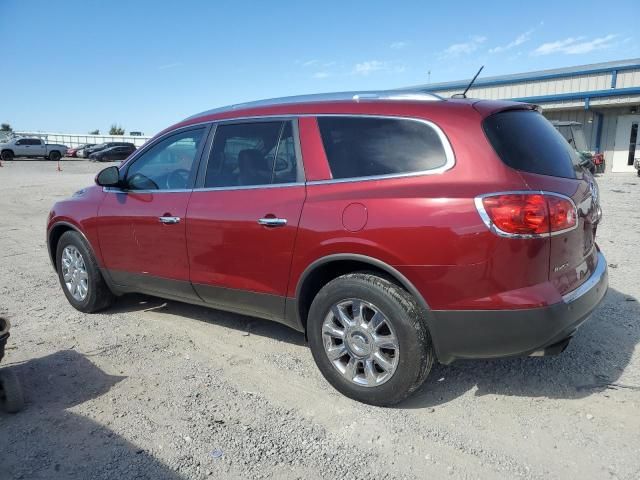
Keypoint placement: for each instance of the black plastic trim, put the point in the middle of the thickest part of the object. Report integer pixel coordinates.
(459, 334)
(364, 259)
(125, 282)
(261, 305)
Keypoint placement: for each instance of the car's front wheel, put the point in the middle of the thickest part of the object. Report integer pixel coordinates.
(368, 338)
(79, 274)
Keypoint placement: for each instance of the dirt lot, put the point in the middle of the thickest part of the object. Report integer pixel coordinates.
(162, 390)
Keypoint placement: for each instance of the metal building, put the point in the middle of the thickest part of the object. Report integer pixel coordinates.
(604, 97)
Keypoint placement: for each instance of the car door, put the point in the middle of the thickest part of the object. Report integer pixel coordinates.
(142, 225)
(243, 217)
(20, 148)
(37, 148)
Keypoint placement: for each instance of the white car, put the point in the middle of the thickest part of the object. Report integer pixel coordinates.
(31, 147)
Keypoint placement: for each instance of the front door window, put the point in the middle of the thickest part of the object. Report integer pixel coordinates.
(168, 165)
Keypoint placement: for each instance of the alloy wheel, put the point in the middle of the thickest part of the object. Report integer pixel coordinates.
(74, 273)
(360, 342)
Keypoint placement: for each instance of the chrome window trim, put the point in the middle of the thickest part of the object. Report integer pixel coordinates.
(444, 140)
(152, 141)
(249, 187)
(293, 119)
(501, 233)
(448, 149)
(120, 190)
(123, 168)
(203, 189)
(592, 281)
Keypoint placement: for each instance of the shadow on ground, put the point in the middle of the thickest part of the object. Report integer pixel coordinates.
(47, 441)
(593, 362)
(255, 326)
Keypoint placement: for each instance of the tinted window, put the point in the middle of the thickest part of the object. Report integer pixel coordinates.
(362, 147)
(526, 141)
(258, 153)
(166, 165)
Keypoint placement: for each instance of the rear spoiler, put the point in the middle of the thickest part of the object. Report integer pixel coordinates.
(489, 107)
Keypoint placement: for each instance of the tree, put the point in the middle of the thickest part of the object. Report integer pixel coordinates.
(116, 130)
(5, 127)
(94, 132)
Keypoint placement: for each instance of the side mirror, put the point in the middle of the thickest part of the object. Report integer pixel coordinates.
(109, 177)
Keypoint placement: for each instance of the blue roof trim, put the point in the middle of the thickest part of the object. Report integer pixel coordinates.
(580, 95)
(522, 79)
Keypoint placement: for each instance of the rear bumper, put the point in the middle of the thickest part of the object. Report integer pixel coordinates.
(506, 333)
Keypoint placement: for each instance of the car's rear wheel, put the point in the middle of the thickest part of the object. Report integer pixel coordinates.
(54, 156)
(7, 156)
(368, 338)
(79, 274)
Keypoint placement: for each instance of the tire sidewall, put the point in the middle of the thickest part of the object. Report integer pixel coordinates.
(74, 238)
(412, 340)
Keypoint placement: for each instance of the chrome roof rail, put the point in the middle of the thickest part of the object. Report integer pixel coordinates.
(393, 95)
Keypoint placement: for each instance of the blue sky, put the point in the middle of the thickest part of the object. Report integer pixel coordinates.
(76, 65)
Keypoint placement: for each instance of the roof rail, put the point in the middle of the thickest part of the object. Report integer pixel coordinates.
(398, 95)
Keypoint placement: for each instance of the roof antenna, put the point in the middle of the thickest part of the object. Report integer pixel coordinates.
(464, 94)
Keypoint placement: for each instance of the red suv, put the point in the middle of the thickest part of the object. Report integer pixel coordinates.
(393, 228)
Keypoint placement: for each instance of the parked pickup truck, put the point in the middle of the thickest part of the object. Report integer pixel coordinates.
(31, 147)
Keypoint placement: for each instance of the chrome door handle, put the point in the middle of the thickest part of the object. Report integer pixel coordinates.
(272, 222)
(169, 220)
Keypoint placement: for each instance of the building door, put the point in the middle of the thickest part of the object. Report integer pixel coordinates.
(627, 146)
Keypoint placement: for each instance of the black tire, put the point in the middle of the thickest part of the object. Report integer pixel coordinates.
(98, 296)
(11, 398)
(7, 155)
(54, 156)
(416, 354)
(638, 172)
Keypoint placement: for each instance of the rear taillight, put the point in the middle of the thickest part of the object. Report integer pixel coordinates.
(527, 214)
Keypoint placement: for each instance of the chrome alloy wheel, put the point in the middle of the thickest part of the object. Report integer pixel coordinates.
(360, 342)
(74, 273)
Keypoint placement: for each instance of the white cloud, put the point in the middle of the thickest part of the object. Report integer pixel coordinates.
(465, 48)
(575, 45)
(365, 68)
(399, 45)
(310, 63)
(321, 75)
(520, 39)
(169, 65)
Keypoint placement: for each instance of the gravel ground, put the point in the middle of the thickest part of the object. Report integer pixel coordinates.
(161, 390)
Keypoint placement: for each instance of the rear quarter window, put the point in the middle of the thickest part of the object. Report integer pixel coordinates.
(527, 141)
(370, 146)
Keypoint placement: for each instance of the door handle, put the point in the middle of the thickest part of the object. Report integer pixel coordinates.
(272, 222)
(169, 220)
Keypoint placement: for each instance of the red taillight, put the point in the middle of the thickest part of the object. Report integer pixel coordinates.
(536, 214)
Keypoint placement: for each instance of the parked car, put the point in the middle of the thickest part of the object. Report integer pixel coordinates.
(574, 134)
(112, 153)
(399, 229)
(96, 148)
(31, 147)
(74, 151)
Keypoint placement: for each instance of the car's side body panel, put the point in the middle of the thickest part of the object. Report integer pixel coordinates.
(423, 229)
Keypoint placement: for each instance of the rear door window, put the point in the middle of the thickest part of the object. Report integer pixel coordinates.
(371, 146)
(252, 154)
(527, 141)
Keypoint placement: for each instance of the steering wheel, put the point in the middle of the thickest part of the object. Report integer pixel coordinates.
(177, 179)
